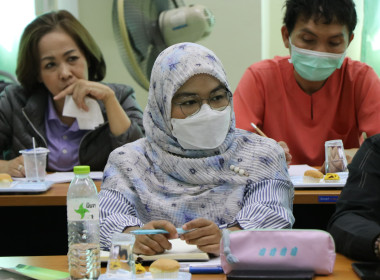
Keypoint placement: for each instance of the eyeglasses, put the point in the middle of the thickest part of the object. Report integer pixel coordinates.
(192, 103)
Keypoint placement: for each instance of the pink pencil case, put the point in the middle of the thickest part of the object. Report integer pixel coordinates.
(278, 249)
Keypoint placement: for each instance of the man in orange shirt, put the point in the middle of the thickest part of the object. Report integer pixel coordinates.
(316, 94)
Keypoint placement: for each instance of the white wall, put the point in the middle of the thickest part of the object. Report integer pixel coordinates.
(272, 16)
(42, 6)
(235, 37)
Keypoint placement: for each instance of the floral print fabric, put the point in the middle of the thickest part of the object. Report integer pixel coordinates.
(155, 178)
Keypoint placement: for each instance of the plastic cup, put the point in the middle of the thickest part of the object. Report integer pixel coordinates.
(35, 164)
(335, 160)
(121, 260)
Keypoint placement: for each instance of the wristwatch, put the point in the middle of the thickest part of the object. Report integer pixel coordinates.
(377, 247)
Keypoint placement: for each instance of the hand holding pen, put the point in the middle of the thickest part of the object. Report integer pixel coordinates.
(203, 233)
(153, 237)
(151, 244)
(288, 156)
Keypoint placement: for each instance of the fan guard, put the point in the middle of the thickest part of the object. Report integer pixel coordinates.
(138, 36)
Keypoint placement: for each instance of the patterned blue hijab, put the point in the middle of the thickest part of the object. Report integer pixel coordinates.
(173, 67)
(161, 180)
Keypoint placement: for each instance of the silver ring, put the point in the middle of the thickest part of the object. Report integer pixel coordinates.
(19, 167)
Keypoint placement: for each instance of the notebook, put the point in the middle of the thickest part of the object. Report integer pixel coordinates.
(181, 251)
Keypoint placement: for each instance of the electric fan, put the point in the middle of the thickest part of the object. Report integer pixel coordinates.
(144, 28)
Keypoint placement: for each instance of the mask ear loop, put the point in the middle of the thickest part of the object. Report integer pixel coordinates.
(291, 50)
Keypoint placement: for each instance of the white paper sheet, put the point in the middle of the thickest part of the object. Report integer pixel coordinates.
(65, 177)
(299, 170)
(210, 263)
(62, 177)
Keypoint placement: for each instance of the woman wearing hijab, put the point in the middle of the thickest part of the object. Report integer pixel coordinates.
(193, 170)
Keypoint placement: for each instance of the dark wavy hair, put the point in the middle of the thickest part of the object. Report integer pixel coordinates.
(340, 11)
(28, 61)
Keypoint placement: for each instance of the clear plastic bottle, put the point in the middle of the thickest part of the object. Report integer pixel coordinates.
(83, 226)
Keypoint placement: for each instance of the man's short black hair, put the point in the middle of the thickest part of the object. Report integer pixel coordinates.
(340, 11)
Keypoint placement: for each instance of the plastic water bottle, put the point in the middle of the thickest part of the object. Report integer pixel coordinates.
(83, 226)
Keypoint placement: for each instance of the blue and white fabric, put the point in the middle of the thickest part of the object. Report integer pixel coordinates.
(155, 178)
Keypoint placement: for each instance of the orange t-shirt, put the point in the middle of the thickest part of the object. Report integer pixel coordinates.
(347, 105)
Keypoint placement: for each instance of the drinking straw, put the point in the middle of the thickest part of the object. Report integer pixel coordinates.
(35, 158)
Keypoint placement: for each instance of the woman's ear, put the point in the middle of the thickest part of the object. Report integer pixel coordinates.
(285, 36)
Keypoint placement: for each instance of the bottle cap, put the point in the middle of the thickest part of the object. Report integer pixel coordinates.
(82, 169)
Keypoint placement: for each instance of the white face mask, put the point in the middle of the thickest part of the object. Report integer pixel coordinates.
(205, 130)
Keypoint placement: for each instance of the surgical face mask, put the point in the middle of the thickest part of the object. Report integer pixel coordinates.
(314, 66)
(205, 130)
